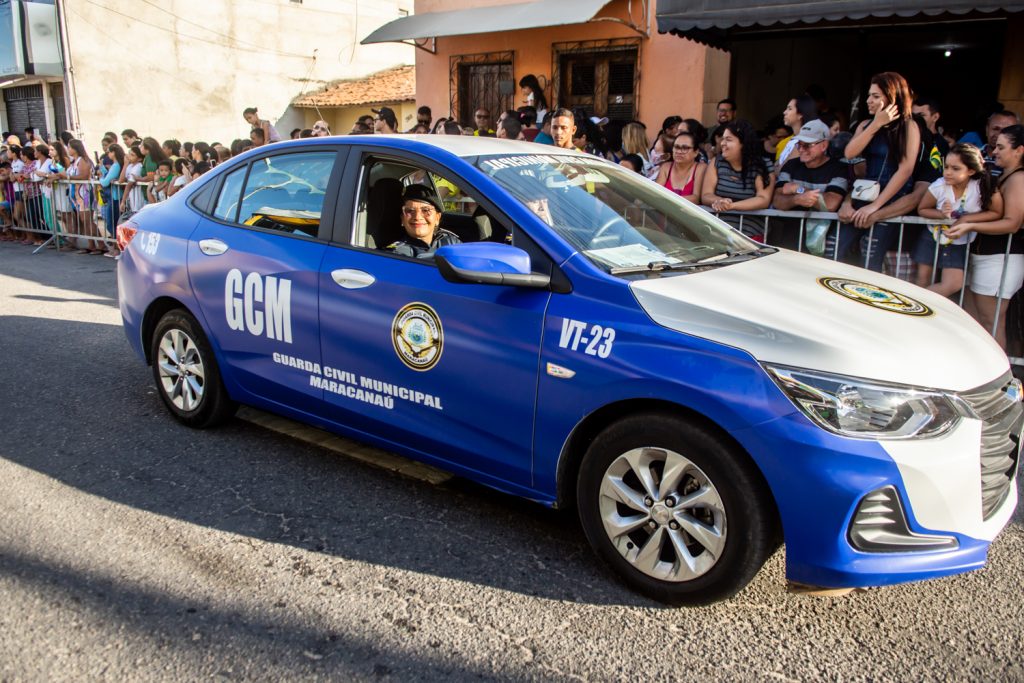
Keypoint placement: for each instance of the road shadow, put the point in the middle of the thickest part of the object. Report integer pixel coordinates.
(63, 269)
(261, 640)
(110, 436)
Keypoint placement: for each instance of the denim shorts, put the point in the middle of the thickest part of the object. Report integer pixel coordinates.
(950, 255)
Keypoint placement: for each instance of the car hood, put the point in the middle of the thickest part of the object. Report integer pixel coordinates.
(784, 308)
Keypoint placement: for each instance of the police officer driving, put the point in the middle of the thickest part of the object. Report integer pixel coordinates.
(421, 218)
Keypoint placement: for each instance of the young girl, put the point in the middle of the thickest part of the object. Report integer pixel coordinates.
(182, 176)
(62, 205)
(133, 199)
(996, 276)
(963, 193)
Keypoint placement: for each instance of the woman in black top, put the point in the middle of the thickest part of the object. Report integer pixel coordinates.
(995, 274)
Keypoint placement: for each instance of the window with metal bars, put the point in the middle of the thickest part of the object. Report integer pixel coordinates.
(603, 82)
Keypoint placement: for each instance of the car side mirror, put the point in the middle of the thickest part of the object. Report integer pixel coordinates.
(488, 263)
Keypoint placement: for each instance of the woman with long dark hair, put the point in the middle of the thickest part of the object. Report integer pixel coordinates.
(738, 180)
(202, 159)
(111, 209)
(993, 283)
(81, 196)
(890, 142)
(154, 155)
(533, 95)
(799, 111)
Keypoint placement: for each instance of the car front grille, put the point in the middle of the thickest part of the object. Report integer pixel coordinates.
(1000, 440)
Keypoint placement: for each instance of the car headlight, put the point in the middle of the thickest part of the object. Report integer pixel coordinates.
(869, 410)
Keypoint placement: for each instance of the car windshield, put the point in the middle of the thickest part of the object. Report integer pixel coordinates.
(618, 219)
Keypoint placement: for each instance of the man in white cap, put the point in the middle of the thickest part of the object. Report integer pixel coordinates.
(810, 180)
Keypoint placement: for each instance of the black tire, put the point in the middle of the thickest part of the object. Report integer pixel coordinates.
(741, 510)
(211, 404)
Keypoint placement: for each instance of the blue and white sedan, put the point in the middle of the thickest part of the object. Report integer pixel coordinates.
(594, 341)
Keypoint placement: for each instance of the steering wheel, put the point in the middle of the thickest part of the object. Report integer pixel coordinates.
(605, 228)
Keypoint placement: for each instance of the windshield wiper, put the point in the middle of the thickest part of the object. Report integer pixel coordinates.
(724, 258)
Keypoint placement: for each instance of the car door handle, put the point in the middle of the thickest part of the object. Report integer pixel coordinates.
(212, 247)
(352, 279)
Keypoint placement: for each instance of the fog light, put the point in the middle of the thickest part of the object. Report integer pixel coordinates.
(880, 526)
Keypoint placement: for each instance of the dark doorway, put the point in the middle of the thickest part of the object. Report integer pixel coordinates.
(60, 114)
(25, 109)
(769, 69)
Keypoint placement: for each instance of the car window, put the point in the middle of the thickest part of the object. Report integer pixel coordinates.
(227, 203)
(286, 192)
(616, 218)
(379, 224)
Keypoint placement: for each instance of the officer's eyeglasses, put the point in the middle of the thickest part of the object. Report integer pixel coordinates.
(413, 211)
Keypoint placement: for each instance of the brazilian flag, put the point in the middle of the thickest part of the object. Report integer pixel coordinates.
(935, 158)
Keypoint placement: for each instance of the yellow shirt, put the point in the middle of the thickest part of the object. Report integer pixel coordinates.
(779, 148)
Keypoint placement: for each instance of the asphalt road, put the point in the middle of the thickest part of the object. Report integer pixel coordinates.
(132, 548)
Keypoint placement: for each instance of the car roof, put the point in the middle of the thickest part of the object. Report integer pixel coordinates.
(459, 145)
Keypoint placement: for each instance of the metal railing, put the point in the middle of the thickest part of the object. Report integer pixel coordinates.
(69, 213)
(835, 250)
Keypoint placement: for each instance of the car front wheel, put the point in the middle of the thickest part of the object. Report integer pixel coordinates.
(674, 510)
(186, 372)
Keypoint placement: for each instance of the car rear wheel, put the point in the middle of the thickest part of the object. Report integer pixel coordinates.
(675, 511)
(186, 372)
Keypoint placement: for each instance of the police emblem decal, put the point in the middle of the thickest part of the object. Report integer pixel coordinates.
(876, 297)
(417, 336)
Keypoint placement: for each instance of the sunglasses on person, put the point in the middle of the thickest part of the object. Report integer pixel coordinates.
(682, 148)
(319, 128)
(808, 145)
(413, 211)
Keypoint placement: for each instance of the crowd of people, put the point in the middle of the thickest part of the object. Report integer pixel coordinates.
(899, 160)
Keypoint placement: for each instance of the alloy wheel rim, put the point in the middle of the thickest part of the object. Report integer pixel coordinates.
(663, 514)
(182, 374)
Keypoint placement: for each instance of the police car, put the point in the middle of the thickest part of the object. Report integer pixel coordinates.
(594, 341)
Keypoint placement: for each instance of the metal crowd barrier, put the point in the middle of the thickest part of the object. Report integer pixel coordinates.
(72, 213)
(763, 216)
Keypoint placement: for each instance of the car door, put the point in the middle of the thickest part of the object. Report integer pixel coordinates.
(254, 263)
(446, 369)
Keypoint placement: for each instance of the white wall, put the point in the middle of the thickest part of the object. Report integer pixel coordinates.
(186, 69)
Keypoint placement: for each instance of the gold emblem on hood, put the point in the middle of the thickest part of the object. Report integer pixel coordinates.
(876, 297)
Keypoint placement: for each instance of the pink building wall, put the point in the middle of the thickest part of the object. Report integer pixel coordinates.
(672, 69)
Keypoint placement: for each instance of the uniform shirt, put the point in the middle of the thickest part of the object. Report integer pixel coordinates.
(417, 248)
